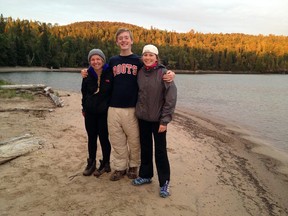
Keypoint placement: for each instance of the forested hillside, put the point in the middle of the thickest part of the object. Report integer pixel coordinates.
(30, 43)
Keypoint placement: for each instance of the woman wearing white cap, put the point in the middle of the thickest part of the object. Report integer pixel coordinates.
(155, 106)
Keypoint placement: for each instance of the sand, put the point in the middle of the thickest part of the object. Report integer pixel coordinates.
(214, 170)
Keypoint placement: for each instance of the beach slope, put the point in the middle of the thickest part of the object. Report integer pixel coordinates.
(213, 170)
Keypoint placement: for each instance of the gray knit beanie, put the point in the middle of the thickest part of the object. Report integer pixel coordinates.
(96, 52)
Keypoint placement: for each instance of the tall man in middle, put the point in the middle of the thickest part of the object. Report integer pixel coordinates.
(122, 121)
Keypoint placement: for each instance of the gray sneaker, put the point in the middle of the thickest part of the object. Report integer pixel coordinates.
(164, 190)
(141, 181)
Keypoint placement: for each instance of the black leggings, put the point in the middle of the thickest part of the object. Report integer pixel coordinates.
(96, 125)
(148, 130)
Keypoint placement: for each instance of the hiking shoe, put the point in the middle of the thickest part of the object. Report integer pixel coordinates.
(141, 181)
(117, 175)
(164, 190)
(132, 172)
(104, 167)
(90, 168)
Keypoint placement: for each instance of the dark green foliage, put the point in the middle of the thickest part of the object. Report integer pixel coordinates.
(11, 93)
(28, 43)
(4, 82)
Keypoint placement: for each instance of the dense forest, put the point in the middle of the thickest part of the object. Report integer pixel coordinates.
(31, 43)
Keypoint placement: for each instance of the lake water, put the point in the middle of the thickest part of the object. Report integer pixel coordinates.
(258, 103)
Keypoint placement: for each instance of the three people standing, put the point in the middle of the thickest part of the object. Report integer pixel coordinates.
(123, 124)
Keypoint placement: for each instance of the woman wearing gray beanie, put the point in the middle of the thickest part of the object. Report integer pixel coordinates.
(96, 93)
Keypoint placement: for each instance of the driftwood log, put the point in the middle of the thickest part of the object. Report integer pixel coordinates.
(27, 110)
(57, 100)
(18, 146)
(34, 87)
(37, 88)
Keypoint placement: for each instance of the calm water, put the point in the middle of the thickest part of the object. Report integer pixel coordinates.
(258, 103)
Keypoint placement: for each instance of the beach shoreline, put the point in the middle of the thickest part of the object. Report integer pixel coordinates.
(37, 69)
(253, 144)
(215, 170)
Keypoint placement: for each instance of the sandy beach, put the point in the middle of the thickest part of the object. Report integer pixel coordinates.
(214, 170)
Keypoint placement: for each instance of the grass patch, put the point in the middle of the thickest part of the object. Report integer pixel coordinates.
(11, 93)
(3, 82)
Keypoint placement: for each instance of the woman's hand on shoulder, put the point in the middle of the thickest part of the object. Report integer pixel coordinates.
(169, 76)
(84, 73)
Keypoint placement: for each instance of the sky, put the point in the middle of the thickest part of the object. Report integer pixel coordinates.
(204, 16)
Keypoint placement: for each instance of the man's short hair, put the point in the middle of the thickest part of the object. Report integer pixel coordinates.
(121, 30)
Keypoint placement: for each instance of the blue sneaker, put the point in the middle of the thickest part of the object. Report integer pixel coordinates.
(164, 190)
(141, 181)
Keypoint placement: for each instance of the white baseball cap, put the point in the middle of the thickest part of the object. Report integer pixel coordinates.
(150, 48)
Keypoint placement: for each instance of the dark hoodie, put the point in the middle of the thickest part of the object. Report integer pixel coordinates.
(97, 103)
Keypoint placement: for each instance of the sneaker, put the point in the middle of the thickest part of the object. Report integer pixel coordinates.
(141, 181)
(132, 172)
(117, 175)
(102, 169)
(164, 190)
(90, 168)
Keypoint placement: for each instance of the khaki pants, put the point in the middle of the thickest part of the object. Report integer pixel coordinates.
(124, 137)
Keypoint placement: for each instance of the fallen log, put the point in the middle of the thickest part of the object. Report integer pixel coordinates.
(18, 146)
(56, 100)
(15, 139)
(26, 110)
(24, 86)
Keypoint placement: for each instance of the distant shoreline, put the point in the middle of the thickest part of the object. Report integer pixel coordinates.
(44, 69)
(37, 69)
